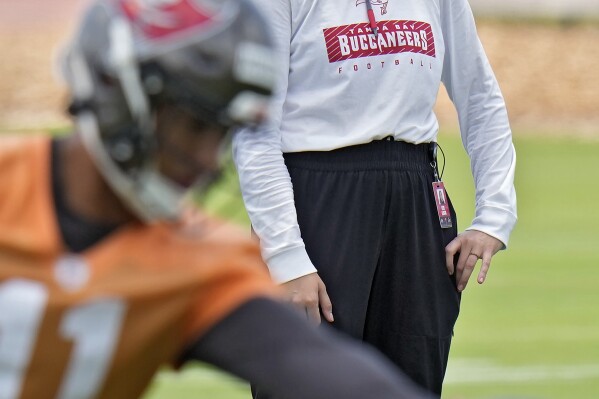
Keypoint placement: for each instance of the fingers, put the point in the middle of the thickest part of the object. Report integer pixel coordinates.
(325, 303)
(313, 312)
(461, 266)
(309, 295)
(307, 302)
(450, 250)
(465, 269)
(482, 274)
(472, 245)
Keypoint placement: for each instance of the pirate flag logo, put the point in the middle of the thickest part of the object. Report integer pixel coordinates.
(376, 3)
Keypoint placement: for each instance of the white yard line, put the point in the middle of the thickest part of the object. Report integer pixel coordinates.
(472, 371)
(460, 371)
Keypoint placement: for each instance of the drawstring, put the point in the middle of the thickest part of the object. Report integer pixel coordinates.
(371, 18)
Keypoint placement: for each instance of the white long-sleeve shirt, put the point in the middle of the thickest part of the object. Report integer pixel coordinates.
(341, 85)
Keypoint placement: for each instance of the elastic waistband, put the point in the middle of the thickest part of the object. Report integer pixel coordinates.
(379, 154)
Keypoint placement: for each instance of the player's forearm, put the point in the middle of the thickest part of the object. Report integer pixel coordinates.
(292, 359)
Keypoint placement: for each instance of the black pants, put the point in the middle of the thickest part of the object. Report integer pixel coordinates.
(369, 221)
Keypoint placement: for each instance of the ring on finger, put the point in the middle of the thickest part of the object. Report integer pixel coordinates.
(477, 256)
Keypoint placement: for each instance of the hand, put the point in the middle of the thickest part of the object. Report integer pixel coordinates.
(472, 246)
(308, 293)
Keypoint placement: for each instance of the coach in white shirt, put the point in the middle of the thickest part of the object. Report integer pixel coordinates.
(339, 186)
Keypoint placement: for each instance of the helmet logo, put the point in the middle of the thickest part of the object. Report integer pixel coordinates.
(160, 19)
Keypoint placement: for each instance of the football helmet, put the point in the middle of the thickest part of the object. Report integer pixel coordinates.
(215, 58)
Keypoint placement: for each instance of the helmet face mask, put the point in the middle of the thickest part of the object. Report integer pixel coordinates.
(131, 58)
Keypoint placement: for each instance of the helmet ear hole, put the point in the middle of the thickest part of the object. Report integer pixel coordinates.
(129, 149)
(153, 84)
(122, 151)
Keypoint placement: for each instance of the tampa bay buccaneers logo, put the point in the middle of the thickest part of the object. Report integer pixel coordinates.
(382, 4)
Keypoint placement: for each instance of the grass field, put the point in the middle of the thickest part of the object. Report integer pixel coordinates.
(532, 330)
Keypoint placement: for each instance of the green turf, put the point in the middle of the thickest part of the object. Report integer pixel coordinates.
(538, 314)
(197, 381)
(532, 330)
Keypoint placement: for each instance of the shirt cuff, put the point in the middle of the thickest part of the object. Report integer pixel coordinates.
(289, 265)
(496, 222)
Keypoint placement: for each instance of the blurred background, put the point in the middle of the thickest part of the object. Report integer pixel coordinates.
(532, 330)
(544, 52)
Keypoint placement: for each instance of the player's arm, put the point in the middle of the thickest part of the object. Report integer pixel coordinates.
(266, 343)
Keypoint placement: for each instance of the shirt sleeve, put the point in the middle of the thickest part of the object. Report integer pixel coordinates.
(484, 125)
(264, 179)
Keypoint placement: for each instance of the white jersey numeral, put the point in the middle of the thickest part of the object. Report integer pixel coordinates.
(94, 327)
(22, 305)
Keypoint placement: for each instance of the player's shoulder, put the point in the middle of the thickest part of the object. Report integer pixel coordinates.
(26, 203)
(199, 233)
(206, 242)
(20, 147)
(21, 159)
(199, 226)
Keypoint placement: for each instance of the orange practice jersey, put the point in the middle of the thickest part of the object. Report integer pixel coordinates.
(98, 324)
